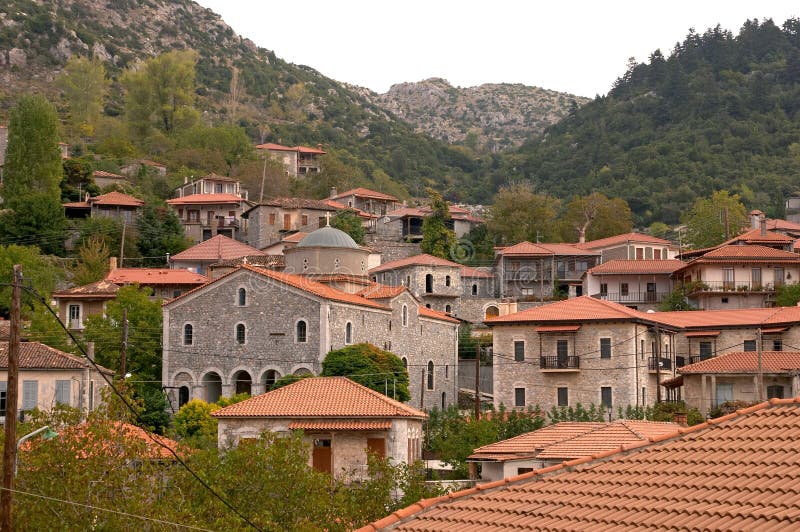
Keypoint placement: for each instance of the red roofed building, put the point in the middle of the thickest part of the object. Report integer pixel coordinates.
(298, 161)
(272, 220)
(641, 284)
(631, 246)
(113, 204)
(197, 258)
(165, 283)
(366, 200)
(341, 420)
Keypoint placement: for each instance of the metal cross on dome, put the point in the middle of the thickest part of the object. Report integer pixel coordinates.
(328, 218)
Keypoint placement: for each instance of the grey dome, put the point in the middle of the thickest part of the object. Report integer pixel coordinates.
(328, 237)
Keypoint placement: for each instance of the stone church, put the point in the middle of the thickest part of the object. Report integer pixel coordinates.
(244, 330)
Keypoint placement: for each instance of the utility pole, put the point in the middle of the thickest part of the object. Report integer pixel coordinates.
(759, 347)
(422, 391)
(122, 246)
(124, 351)
(263, 178)
(478, 381)
(10, 445)
(658, 365)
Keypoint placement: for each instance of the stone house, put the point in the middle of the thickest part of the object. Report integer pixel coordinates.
(76, 304)
(113, 204)
(560, 442)
(639, 284)
(204, 216)
(48, 376)
(582, 350)
(734, 377)
(405, 223)
(540, 272)
(218, 248)
(631, 246)
(298, 161)
(270, 221)
(368, 201)
(105, 179)
(342, 422)
(166, 283)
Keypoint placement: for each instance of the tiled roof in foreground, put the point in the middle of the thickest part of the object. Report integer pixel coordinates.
(747, 362)
(737, 472)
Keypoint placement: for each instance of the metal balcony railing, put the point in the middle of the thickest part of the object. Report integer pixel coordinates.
(559, 362)
(653, 364)
(633, 297)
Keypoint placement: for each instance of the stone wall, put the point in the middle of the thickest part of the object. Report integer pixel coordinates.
(390, 249)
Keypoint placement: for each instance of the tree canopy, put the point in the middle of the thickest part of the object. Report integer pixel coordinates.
(349, 222)
(437, 239)
(369, 366)
(519, 213)
(715, 219)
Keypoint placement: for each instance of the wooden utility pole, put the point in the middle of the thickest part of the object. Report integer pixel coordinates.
(12, 391)
(760, 349)
(422, 391)
(123, 354)
(478, 382)
(658, 365)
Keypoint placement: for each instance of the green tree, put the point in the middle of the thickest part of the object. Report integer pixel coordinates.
(787, 295)
(437, 239)
(84, 85)
(160, 232)
(676, 300)
(32, 178)
(578, 413)
(371, 367)
(93, 261)
(40, 271)
(110, 231)
(193, 420)
(519, 213)
(714, 219)
(349, 222)
(595, 216)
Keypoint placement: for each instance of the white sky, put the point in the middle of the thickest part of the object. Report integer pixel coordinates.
(579, 47)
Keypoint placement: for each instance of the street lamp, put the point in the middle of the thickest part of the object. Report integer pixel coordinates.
(48, 435)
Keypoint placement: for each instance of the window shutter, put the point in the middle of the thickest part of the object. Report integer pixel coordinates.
(30, 394)
(63, 392)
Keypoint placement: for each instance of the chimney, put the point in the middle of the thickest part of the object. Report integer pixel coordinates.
(763, 226)
(112, 263)
(681, 419)
(319, 147)
(186, 180)
(334, 192)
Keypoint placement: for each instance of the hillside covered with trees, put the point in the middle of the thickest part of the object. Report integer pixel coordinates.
(720, 112)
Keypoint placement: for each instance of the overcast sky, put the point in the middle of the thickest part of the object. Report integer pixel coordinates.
(579, 47)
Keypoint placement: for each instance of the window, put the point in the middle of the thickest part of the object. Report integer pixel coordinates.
(447, 280)
(3, 388)
(605, 396)
(605, 347)
(63, 392)
(474, 290)
(705, 350)
(603, 289)
(492, 311)
(777, 345)
(183, 395)
(75, 316)
(272, 218)
(30, 394)
(563, 396)
(287, 222)
(725, 300)
(301, 332)
(775, 391)
(448, 309)
(408, 280)
(522, 470)
(623, 289)
(242, 297)
(727, 279)
(404, 316)
(188, 334)
(405, 363)
(430, 375)
(639, 253)
(519, 397)
(444, 400)
(657, 254)
(519, 351)
(562, 348)
(749, 345)
(428, 283)
(780, 277)
(304, 220)
(348, 333)
(427, 305)
(755, 278)
(724, 393)
(241, 334)
(218, 188)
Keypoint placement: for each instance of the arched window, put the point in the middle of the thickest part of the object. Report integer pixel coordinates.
(348, 333)
(405, 316)
(429, 283)
(269, 379)
(474, 289)
(188, 334)
(183, 395)
(430, 374)
(427, 305)
(302, 330)
(444, 400)
(492, 311)
(242, 297)
(405, 362)
(448, 309)
(447, 280)
(241, 334)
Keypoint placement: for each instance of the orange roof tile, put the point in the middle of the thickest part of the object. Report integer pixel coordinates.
(98, 289)
(295, 237)
(277, 147)
(365, 193)
(36, 355)
(618, 266)
(321, 397)
(738, 472)
(155, 447)
(381, 291)
(531, 249)
(748, 252)
(609, 437)
(340, 425)
(622, 239)
(533, 442)
(422, 259)
(582, 308)
(155, 276)
(425, 312)
(198, 199)
(728, 318)
(747, 362)
(103, 173)
(115, 198)
(782, 225)
(219, 247)
(754, 235)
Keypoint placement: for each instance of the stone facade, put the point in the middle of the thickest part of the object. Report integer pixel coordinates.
(705, 392)
(270, 221)
(214, 363)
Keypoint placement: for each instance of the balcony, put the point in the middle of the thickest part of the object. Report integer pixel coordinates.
(729, 286)
(653, 364)
(632, 297)
(559, 363)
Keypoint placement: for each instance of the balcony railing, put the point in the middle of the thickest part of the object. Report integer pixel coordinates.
(653, 364)
(559, 362)
(633, 297)
(730, 286)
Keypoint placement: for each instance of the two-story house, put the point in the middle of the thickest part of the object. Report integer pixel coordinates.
(366, 200)
(405, 223)
(210, 206)
(270, 221)
(640, 284)
(298, 161)
(630, 246)
(114, 204)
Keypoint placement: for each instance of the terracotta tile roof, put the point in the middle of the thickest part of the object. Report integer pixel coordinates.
(342, 207)
(216, 177)
(365, 193)
(36, 355)
(98, 289)
(108, 175)
(295, 237)
(155, 276)
(557, 328)
(340, 425)
(115, 198)
(321, 397)
(782, 225)
(5, 329)
(115, 431)
(298, 203)
(747, 362)
(456, 213)
(472, 273)
(738, 472)
(584, 308)
(381, 291)
(609, 437)
(425, 312)
(622, 239)
(198, 199)
(531, 249)
(748, 252)
(728, 318)
(637, 267)
(531, 443)
(77, 205)
(277, 147)
(219, 247)
(754, 235)
(422, 259)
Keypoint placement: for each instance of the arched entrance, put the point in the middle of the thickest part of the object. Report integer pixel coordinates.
(212, 385)
(242, 383)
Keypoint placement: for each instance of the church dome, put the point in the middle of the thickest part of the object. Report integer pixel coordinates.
(328, 237)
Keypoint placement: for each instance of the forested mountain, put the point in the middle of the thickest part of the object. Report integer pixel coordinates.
(493, 116)
(722, 111)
